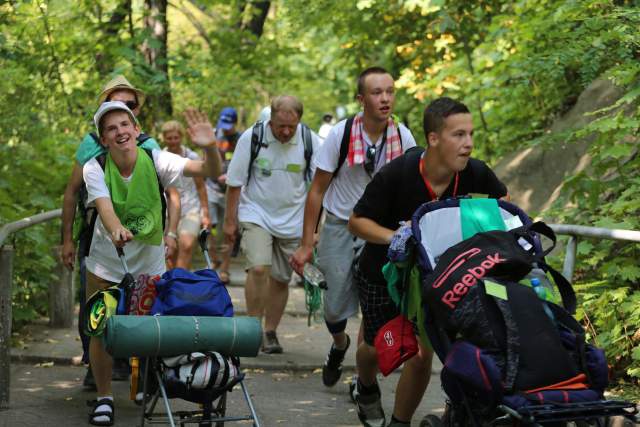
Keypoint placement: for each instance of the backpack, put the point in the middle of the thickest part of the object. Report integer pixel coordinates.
(344, 143)
(184, 293)
(495, 335)
(87, 233)
(257, 142)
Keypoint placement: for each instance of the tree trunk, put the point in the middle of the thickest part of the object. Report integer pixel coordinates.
(257, 11)
(110, 30)
(154, 49)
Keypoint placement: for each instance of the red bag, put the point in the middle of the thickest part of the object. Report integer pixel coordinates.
(143, 295)
(395, 343)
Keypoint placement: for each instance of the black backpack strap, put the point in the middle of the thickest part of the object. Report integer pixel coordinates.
(344, 145)
(102, 161)
(308, 150)
(257, 135)
(567, 293)
(142, 138)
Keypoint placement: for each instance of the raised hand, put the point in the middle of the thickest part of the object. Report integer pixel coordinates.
(199, 128)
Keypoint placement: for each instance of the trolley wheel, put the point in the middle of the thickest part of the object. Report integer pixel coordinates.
(431, 421)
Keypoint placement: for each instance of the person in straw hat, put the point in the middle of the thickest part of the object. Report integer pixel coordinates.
(117, 89)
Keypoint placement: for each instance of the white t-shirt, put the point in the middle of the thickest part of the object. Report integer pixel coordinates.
(141, 258)
(348, 186)
(274, 198)
(324, 130)
(189, 199)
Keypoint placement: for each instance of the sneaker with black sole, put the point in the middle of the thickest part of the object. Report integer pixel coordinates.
(89, 383)
(271, 345)
(332, 368)
(370, 410)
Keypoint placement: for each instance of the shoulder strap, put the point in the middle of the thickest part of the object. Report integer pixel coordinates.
(397, 122)
(102, 160)
(142, 138)
(257, 135)
(95, 137)
(308, 150)
(344, 145)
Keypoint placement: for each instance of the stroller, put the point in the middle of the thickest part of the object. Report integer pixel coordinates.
(513, 354)
(156, 376)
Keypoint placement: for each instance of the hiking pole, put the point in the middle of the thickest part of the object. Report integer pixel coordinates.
(202, 240)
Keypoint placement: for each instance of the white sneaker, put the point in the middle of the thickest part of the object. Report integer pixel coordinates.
(370, 410)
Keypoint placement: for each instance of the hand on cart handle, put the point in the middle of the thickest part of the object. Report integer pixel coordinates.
(120, 236)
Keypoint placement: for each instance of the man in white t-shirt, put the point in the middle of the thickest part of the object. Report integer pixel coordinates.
(139, 210)
(194, 206)
(354, 150)
(265, 201)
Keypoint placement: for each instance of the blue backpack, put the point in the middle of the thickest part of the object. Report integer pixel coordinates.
(185, 293)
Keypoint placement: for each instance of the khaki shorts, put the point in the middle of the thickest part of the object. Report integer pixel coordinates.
(189, 224)
(95, 284)
(261, 248)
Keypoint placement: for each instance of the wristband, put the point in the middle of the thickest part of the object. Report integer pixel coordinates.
(172, 235)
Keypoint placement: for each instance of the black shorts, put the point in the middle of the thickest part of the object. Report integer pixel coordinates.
(376, 304)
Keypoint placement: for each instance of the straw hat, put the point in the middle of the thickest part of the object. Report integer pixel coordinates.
(120, 82)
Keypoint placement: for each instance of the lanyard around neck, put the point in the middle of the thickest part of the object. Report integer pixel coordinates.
(432, 193)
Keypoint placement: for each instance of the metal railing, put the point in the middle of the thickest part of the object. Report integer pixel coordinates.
(575, 231)
(60, 295)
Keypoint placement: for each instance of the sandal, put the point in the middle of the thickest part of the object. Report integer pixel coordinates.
(94, 413)
(224, 277)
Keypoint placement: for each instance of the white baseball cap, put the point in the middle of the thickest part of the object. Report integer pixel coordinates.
(106, 107)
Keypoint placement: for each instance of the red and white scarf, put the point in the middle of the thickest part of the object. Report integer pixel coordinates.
(356, 154)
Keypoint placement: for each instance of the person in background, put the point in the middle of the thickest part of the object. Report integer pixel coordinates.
(194, 206)
(372, 139)
(265, 201)
(227, 135)
(325, 127)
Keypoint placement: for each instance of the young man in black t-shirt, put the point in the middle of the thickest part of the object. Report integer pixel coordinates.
(444, 170)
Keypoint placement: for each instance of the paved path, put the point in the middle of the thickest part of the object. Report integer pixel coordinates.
(287, 389)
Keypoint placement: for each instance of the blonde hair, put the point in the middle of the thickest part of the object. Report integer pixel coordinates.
(172, 125)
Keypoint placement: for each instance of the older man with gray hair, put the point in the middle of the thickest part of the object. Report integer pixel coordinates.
(266, 191)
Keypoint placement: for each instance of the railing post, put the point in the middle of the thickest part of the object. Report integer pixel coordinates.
(6, 287)
(61, 295)
(570, 257)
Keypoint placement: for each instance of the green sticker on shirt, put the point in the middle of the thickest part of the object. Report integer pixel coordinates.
(294, 167)
(495, 289)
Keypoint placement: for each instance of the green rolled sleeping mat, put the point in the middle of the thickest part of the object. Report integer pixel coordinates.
(143, 336)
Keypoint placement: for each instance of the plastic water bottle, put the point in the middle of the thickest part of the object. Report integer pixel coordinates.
(314, 276)
(549, 288)
(541, 291)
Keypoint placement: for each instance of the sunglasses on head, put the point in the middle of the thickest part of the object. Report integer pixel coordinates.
(370, 160)
(131, 104)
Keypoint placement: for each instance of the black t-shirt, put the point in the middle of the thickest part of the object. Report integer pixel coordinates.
(398, 189)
